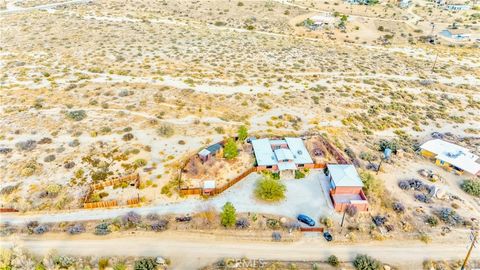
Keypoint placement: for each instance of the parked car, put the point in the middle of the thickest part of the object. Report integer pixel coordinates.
(327, 236)
(306, 219)
(186, 218)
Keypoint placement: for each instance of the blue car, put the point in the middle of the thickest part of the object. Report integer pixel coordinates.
(306, 219)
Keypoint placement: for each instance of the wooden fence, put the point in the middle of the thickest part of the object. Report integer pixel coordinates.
(233, 181)
(216, 191)
(8, 210)
(190, 191)
(127, 178)
(319, 166)
(314, 229)
(334, 151)
(100, 204)
(133, 201)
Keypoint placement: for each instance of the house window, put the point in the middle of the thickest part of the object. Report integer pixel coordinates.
(300, 165)
(269, 167)
(442, 162)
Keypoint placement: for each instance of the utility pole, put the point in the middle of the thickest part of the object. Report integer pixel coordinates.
(474, 237)
(435, 62)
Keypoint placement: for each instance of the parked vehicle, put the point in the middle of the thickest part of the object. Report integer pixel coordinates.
(306, 219)
(327, 236)
(186, 218)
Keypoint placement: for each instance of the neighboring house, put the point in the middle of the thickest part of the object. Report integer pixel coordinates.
(209, 152)
(346, 187)
(450, 156)
(457, 34)
(288, 154)
(405, 3)
(321, 21)
(457, 7)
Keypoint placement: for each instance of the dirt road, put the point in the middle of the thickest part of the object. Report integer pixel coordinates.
(193, 251)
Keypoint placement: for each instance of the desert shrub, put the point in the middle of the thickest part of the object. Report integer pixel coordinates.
(131, 219)
(49, 158)
(328, 222)
(153, 216)
(271, 190)
(425, 238)
(69, 165)
(40, 229)
(398, 207)
(351, 210)
(299, 174)
(333, 260)
(383, 144)
(145, 264)
(423, 198)
(28, 145)
(160, 225)
(432, 221)
(230, 151)
(140, 162)
(102, 229)
(276, 236)
(64, 261)
(103, 263)
(364, 262)
(242, 223)
(403, 184)
(292, 226)
(449, 216)
(120, 266)
(379, 220)
(228, 215)
(31, 225)
(471, 187)
(78, 115)
(74, 143)
(127, 137)
(76, 229)
(273, 223)
(5, 150)
(165, 131)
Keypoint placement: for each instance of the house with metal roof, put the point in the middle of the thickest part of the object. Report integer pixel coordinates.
(450, 156)
(346, 187)
(281, 155)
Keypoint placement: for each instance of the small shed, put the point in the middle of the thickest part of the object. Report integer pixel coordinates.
(208, 187)
(209, 152)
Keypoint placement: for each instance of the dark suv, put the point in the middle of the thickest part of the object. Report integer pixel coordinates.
(306, 219)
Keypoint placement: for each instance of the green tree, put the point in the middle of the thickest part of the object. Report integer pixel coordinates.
(228, 215)
(269, 189)
(242, 133)
(230, 151)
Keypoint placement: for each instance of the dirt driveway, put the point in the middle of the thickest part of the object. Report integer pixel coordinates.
(302, 196)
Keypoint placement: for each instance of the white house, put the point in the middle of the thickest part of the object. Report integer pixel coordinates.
(451, 156)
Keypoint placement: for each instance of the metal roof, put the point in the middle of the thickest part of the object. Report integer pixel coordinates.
(299, 151)
(456, 155)
(283, 154)
(263, 152)
(282, 166)
(344, 175)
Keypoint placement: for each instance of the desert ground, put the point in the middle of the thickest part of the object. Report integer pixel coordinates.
(94, 90)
